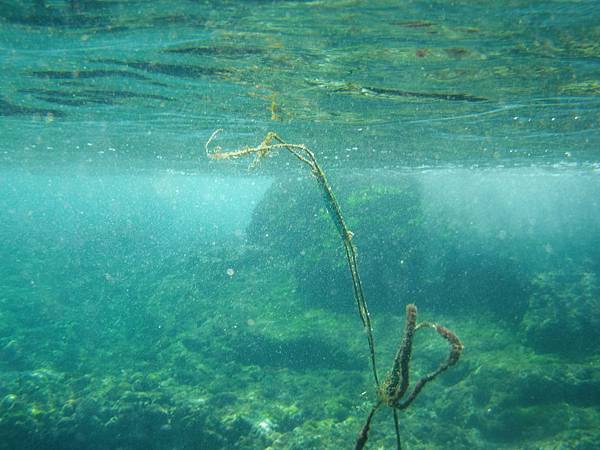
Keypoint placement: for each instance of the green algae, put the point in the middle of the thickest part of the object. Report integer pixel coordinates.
(194, 373)
(191, 396)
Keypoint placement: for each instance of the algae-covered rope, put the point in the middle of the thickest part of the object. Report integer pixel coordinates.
(305, 155)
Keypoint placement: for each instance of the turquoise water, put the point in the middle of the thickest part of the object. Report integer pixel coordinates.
(153, 297)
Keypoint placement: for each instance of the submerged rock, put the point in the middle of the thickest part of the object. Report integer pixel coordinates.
(563, 315)
(292, 223)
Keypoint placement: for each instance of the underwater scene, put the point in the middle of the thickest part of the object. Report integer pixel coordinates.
(327, 224)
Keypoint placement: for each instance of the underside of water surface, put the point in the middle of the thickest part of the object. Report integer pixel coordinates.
(157, 294)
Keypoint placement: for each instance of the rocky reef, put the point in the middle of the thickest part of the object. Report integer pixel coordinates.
(254, 342)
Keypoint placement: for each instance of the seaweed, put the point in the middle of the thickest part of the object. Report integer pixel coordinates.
(370, 90)
(374, 91)
(392, 391)
(83, 97)
(11, 109)
(396, 385)
(216, 50)
(85, 74)
(174, 70)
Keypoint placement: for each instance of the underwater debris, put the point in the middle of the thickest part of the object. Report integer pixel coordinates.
(398, 380)
(397, 383)
(273, 142)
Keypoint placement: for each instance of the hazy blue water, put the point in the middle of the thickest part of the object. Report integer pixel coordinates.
(135, 308)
